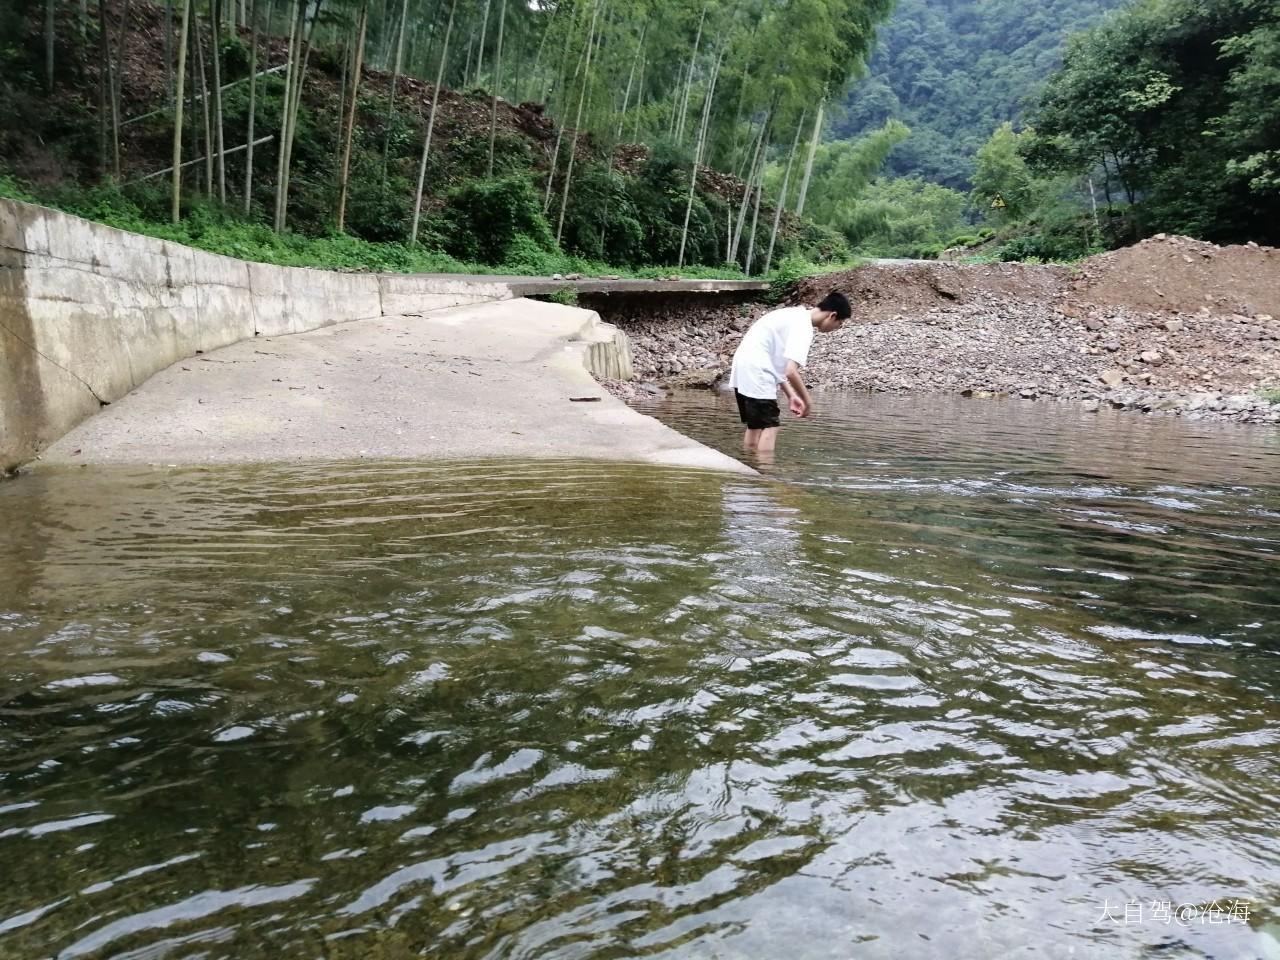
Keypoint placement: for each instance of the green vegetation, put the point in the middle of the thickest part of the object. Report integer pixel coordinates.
(567, 296)
(218, 230)
(909, 217)
(1173, 108)
(946, 74)
(377, 136)
(1165, 117)
(954, 70)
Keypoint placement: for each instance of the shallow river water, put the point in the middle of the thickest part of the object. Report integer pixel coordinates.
(957, 680)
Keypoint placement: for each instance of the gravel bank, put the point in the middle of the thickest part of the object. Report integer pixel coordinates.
(1170, 326)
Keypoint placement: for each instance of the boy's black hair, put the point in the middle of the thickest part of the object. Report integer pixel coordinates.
(837, 303)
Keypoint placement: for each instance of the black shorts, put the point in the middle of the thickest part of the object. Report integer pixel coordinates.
(757, 414)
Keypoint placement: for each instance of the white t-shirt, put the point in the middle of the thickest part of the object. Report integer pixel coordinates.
(760, 362)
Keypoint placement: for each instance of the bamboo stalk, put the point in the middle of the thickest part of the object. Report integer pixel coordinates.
(204, 112)
(225, 87)
(746, 192)
(253, 105)
(626, 97)
(176, 202)
(635, 130)
(688, 87)
(215, 27)
(755, 218)
(537, 57)
(697, 153)
(168, 53)
(555, 154)
(431, 122)
(117, 80)
(484, 26)
(395, 82)
(304, 45)
(358, 66)
(104, 79)
(187, 163)
(48, 46)
(577, 128)
(497, 79)
(291, 71)
(348, 56)
(808, 164)
(782, 196)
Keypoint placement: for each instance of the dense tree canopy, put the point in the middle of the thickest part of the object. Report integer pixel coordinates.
(291, 111)
(1176, 103)
(954, 70)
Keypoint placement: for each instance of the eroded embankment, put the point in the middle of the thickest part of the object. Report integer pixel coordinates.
(1170, 325)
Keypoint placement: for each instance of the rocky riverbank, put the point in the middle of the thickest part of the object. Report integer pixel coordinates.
(1170, 326)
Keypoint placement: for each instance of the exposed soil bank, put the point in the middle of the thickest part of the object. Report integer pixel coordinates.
(1169, 325)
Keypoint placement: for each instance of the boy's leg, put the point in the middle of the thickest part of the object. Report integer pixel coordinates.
(760, 417)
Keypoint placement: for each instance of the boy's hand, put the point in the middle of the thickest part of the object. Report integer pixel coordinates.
(798, 406)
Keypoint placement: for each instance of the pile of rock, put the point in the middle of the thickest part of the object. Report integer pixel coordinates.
(1203, 364)
(1210, 405)
(679, 344)
(1138, 329)
(1181, 275)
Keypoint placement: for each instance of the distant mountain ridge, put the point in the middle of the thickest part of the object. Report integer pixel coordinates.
(954, 70)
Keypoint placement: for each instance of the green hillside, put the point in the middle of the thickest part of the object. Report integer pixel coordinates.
(954, 70)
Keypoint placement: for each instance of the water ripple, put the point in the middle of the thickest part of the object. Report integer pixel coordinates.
(927, 699)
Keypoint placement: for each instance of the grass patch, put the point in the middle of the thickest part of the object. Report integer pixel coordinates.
(206, 226)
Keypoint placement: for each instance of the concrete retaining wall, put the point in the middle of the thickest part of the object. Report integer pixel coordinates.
(608, 354)
(88, 312)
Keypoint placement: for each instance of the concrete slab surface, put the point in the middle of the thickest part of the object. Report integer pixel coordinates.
(494, 379)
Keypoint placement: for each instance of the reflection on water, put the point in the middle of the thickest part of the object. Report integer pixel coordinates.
(946, 684)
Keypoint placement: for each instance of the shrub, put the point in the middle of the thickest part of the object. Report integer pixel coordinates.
(469, 156)
(374, 211)
(786, 275)
(15, 189)
(484, 218)
(235, 59)
(524, 255)
(601, 220)
(568, 296)
(821, 244)
(659, 196)
(1043, 248)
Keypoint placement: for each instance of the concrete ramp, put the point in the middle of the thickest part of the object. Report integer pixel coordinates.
(508, 379)
(193, 357)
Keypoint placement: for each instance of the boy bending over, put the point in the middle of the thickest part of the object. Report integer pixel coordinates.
(771, 355)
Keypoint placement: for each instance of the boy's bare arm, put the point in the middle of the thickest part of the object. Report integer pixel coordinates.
(795, 389)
